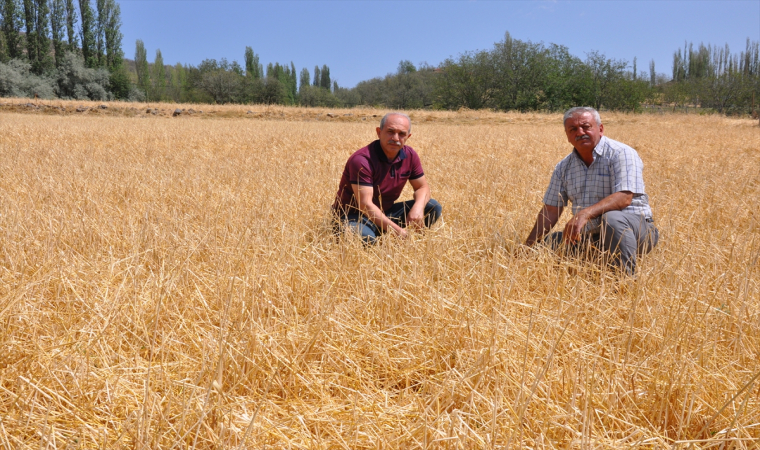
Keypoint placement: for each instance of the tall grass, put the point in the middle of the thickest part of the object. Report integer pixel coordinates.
(175, 284)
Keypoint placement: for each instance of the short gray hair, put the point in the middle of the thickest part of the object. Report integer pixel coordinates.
(385, 118)
(582, 109)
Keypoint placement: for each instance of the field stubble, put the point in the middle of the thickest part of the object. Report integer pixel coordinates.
(174, 283)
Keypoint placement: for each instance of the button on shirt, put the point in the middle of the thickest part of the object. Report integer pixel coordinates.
(616, 167)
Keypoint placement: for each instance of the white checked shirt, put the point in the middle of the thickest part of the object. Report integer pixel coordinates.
(616, 167)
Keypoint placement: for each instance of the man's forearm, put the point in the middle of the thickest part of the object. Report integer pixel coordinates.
(379, 218)
(422, 196)
(547, 218)
(613, 202)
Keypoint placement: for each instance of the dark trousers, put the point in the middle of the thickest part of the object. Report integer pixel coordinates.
(369, 232)
(622, 235)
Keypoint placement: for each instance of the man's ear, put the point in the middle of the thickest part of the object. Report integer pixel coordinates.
(378, 130)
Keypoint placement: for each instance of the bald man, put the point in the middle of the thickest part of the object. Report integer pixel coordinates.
(373, 179)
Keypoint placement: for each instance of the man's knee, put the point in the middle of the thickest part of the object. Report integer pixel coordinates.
(433, 211)
(614, 220)
(365, 232)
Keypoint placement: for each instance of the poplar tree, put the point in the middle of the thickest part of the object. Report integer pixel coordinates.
(37, 41)
(114, 56)
(316, 76)
(141, 67)
(652, 75)
(31, 37)
(159, 76)
(113, 36)
(71, 20)
(324, 77)
(89, 46)
(58, 28)
(293, 82)
(253, 68)
(11, 27)
(634, 69)
(305, 79)
(99, 30)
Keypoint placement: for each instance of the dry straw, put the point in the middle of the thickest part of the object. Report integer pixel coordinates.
(173, 283)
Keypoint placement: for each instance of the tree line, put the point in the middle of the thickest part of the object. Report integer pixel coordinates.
(514, 75)
(716, 78)
(222, 81)
(527, 76)
(73, 49)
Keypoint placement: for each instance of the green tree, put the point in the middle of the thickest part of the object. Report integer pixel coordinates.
(316, 96)
(58, 29)
(142, 68)
(324, 77)
(99, 30)
(405, 67)
(253, 67)
(36, 13)
(520, 71)
(120, 84)
(178, 86)
(469, 81)
(78, 82)
(71, 21)
(87, 34)
(317, 76)
(305, 79)
(634, 69)
(159, 77)
(293, 82)
(605, 77)
(11, 27)
(273, 92)
(112, 35)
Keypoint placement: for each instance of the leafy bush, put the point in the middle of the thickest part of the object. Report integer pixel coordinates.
(75, 81)
(16, 80)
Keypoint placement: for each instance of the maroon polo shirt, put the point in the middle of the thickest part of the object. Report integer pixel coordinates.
(369, 166)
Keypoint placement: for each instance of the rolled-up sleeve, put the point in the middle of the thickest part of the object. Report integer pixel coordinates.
(627, 169)
(556, 194)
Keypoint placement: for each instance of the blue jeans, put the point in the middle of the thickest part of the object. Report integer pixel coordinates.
(622, 235)
(369, 232)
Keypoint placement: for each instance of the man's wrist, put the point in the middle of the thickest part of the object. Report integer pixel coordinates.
(585, 214)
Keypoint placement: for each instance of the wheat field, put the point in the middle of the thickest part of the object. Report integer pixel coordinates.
(174, 283)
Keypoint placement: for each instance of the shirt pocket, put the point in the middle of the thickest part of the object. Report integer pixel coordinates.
(576, 188)
(603, 182)
(406, 174)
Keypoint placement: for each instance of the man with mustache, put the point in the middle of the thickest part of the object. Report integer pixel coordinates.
(603, 180)
(373, 179)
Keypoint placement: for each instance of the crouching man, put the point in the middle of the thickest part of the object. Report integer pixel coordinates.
(603, 180)
(373, 179)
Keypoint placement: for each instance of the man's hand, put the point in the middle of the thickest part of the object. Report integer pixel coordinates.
(574, 227)
(613, 202)
(416, 216)
(400, 232)
(547, 217)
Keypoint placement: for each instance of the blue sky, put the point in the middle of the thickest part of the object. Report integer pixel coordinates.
(360, 40)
